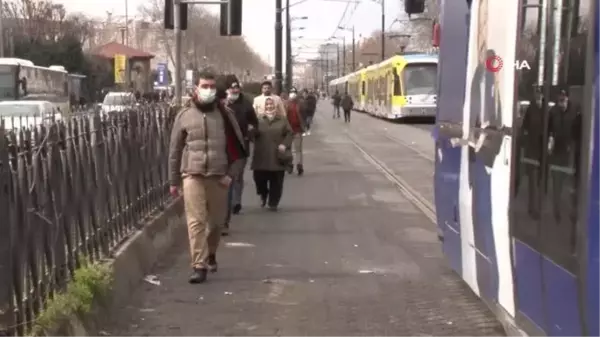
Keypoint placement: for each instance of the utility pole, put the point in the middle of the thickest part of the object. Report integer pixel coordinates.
(288, 47)
(382, 30)
(337, 62)
(278, 47)
(126, 23)
(2, 29)
(344, 57)
(177, 32)
(353, 51)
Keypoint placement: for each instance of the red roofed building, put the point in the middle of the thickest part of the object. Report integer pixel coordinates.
(138, 62)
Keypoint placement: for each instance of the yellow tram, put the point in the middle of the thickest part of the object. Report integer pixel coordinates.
(401, 86)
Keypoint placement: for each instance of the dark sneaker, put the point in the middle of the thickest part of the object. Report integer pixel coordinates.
(273, 208)
(300, 169)
(212, 263)
(198, 276)
(237, 208)
(225, 230)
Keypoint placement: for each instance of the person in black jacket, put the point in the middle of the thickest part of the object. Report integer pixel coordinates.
(310, 106)
(247, 120)
(336, 99)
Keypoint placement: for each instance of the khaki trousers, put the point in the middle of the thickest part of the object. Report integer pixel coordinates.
(205, 202)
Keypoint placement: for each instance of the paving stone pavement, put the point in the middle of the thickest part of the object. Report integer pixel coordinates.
(347, 254)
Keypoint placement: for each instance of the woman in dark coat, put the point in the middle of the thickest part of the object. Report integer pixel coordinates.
(272, 154)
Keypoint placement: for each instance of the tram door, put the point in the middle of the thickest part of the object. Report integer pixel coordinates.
(546, 185)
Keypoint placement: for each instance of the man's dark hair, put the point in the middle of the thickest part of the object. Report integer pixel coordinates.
(269, 83)
(206, 75)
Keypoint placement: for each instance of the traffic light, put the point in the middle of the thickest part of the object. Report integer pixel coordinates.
(169, 15)
(414, 6)
(231, 18)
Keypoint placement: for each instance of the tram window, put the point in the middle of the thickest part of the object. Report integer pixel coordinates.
(529, 144)
(396, 79)
(546, 171)
(362, 87)
(7, 85)
(560, 198)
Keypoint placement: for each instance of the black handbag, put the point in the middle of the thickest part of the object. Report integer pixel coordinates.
(286, 157)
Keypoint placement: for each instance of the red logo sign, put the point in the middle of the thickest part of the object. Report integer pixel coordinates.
(494, 63)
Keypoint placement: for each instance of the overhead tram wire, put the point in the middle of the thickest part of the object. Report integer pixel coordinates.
(341, 20)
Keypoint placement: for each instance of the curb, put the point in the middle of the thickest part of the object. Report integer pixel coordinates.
(133, 259)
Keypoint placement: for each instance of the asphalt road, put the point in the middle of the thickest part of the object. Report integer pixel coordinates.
(348, 254)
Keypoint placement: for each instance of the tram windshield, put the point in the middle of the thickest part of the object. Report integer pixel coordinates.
(420, 79)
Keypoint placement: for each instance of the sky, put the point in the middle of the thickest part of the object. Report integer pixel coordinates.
(323, 17)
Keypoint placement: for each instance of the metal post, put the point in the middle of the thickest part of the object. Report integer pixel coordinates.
(324, 77)
(126, 23)
(177, 31)
(344, 57)
(278, 46)
(1, 29)
(353, 51)
(382, 30)
(288, 47)
(337, 62)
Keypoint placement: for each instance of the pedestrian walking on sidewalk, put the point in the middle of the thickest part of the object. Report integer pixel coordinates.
(272, 154)
(336, 99)
(267, 92)
(247, 120)
(205, 154)
(297, 120)
(310, 107)
(347, 104)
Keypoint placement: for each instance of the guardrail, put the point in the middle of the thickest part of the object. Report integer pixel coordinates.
(72, 190)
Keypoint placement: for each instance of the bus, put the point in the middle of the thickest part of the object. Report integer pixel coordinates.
(22, 80)
(517, 158)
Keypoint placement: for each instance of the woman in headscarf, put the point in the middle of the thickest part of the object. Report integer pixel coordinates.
(272, 154)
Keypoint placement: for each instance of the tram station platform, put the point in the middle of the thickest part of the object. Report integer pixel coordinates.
(348, 253)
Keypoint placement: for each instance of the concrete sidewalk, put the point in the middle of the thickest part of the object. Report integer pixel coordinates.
(346, 255)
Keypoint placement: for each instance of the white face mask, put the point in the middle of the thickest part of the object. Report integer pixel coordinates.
(293, 95)
(206, 95)
(233, 97)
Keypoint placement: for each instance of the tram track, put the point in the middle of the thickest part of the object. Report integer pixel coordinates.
(422, 204)
(412, 148)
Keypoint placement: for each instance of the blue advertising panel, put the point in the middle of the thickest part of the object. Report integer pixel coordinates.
(163, 74)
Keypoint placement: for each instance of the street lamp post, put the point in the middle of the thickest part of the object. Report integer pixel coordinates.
(278, 47)
(288, 46)
(353, 47)
(382, 30)
(343, 39)
(289, 77)
(337, 62)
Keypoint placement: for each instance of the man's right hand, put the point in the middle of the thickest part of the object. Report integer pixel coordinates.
(174, 190)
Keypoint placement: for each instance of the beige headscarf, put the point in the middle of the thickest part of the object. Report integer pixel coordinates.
(270, 108)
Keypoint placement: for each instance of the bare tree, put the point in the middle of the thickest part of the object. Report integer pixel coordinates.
(202, 45)
(44, 21)
(38, 20)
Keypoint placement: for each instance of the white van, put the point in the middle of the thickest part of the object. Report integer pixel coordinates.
(27, 114)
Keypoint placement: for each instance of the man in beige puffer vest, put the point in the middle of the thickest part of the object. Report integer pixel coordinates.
(206, 151)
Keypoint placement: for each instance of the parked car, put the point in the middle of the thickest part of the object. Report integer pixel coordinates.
(117, 102)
